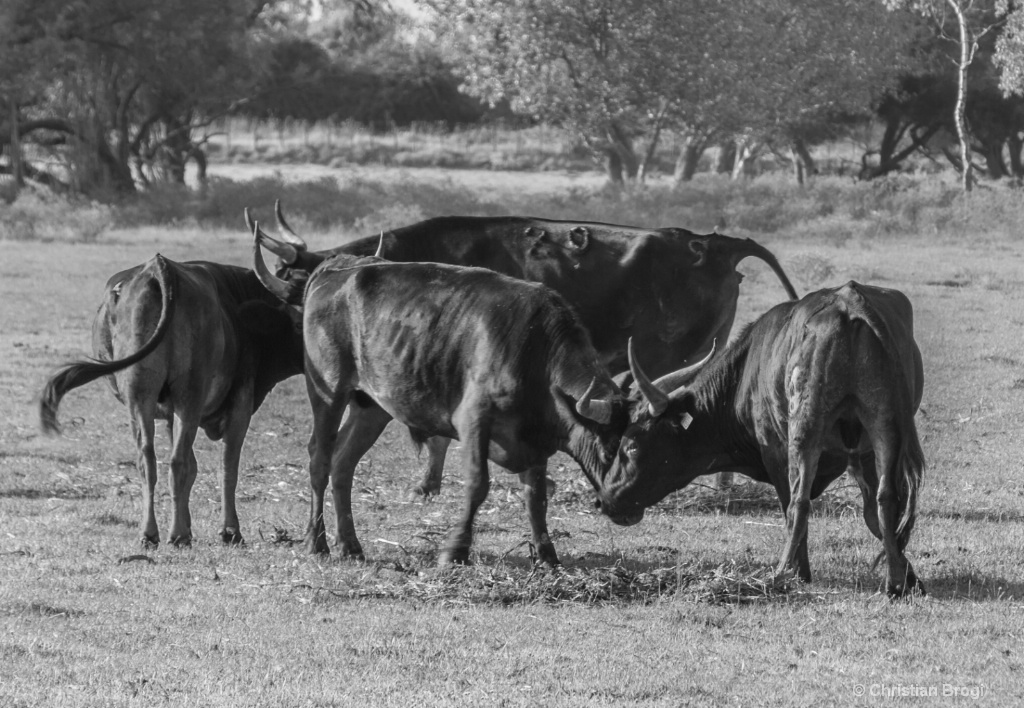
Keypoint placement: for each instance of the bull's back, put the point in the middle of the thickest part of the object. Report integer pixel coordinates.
(417, 337)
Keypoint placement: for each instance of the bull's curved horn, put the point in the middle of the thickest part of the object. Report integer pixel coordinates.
(599, 411)
(287, 233)
(283, 290)
(675, 380)
(657, 400)
(380, 247)
(286, 252)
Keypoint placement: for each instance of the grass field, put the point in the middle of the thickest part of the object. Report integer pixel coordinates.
(675, 611)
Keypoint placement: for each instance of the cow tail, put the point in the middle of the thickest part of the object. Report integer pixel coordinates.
(749, 247)
(910, 467)
(80, 373)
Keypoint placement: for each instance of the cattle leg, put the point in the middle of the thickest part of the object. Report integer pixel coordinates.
(863, 472)
(535, 483)
(143, 430)
(357, 435)
(326, 419)
(437, 448)
(474, 432)
(901, 578)
(803, 462)
(234, 437)
(183, 474)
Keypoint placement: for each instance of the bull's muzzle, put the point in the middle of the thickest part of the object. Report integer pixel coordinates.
(621, 517)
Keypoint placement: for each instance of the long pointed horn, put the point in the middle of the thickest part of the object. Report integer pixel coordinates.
(657, 400)
(676, 379)
(287, 233)
(599, 411)
(286, 252)
(380, 247)
(283, 290)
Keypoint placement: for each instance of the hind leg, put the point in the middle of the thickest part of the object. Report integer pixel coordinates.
(357, 435)
(474, 427)
(804, 452)
(234, 437)
(183, 475)
(430, 483)
(143, 430)
(863, 472)
(327, 413)
(901, 578)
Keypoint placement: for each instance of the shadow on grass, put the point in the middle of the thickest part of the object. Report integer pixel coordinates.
(976, 587)
(752, 498)
(994, 517)
(70, 494)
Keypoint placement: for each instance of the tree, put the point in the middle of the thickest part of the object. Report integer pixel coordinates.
(972, 20)
(124, 86)
(603, 68)
(619, 73)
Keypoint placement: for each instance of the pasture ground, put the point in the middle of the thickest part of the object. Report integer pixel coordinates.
(674, 611)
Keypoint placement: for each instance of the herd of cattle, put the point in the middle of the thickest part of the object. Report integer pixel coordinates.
(521, 337)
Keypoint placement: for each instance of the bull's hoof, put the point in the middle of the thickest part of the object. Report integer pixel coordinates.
(317, 545)
(181, 541)
(454, 556)
(150, 543)
(350, 550)
(423, 491)
(546, 556)
(231, 536)
(912, 587)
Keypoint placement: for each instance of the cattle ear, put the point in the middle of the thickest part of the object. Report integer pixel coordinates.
(682, 404)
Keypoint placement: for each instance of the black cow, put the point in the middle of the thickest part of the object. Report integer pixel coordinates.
(197, 344)
(501, 364)
(811, 389)
(670, 290)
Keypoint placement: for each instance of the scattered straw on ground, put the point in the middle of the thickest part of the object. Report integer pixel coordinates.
(505, 585)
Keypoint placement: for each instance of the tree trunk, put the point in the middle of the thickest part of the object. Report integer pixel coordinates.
(966, 56)
(623, 147)
(993, 151)
(1015, 145)
(652, 146)
(16, 172)
(803, 162)
(726, 159)
(613, 166)
(746, 153)
(689, 155)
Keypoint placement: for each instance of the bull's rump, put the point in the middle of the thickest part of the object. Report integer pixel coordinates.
(423, 339)
(843, 360)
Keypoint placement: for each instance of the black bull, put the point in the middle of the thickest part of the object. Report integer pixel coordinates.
(671, 291)
(197, 344)
(811, 389)
(500, 364)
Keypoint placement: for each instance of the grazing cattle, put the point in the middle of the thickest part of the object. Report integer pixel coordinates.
(198, 345)
(500, 364)
(811, 389)
(672, 291)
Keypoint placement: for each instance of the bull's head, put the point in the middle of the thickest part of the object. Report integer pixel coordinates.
(652, 450)
(288, 246)
(288, 291)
